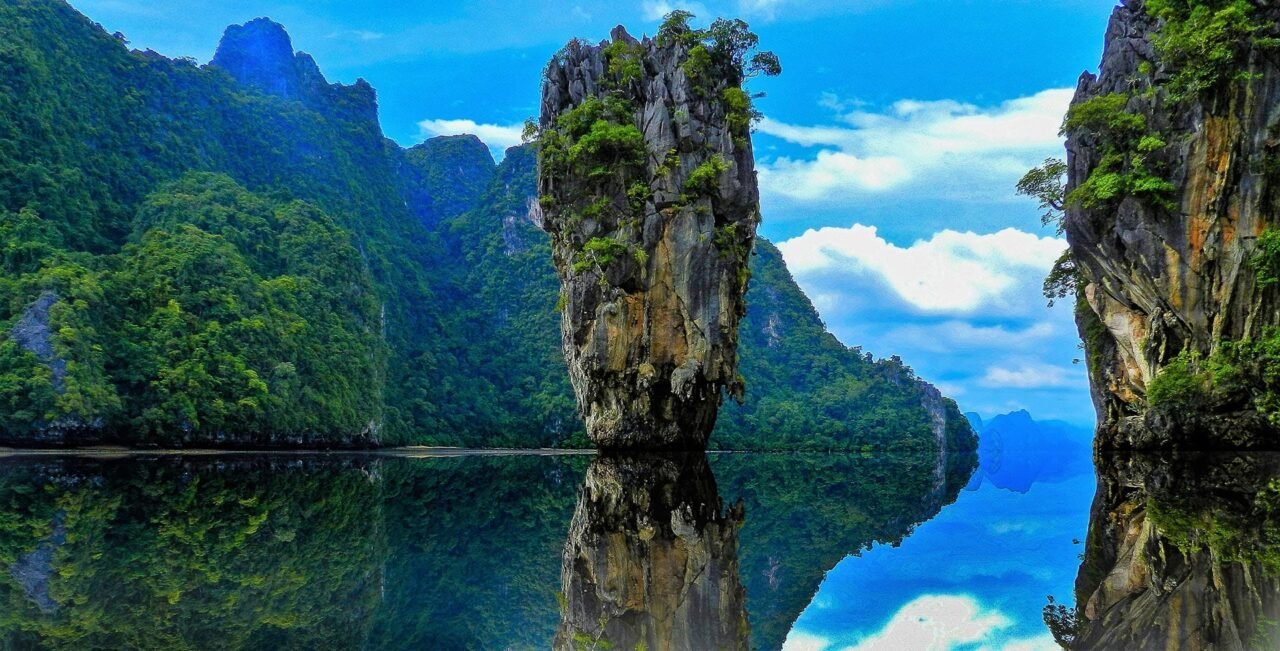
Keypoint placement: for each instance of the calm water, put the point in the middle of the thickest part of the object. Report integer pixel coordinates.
(717, 551)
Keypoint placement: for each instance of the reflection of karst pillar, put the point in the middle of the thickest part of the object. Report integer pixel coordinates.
(1182, 553)
(652, 560)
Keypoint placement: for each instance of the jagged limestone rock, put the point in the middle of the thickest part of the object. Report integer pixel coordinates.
(1166, 261)
(651, 561)
(648, 190)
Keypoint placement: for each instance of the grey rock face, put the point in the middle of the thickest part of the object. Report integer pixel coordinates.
(32, 333)
(1159, 279)
(651, 313)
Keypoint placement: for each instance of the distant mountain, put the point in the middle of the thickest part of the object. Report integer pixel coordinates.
(1015, 451)
(233, 254)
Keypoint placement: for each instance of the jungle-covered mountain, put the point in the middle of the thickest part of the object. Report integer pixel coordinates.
(234, 254)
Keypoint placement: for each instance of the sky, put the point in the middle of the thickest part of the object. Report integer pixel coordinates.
(887, 156)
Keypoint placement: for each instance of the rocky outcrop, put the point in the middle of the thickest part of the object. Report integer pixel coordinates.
(1166, 268)
(652, 559)
(32, 333)
(1181, 554)
(649, 194)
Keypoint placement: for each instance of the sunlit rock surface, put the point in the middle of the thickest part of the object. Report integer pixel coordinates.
(1161, 279)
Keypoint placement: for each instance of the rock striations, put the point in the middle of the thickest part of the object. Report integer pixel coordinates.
(1173, 179)
(648, 189)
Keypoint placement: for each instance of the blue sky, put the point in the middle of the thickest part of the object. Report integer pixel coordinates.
(887, 158)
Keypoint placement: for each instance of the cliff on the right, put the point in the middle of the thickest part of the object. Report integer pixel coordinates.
(1171, 214)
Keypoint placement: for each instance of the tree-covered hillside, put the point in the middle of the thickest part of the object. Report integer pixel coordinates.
(233, 254)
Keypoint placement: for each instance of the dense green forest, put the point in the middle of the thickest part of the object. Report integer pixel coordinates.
(234, 254)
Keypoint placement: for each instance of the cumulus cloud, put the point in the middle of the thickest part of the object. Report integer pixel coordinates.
(946, 147)
(932, 623)
(950, 272)
(936, 622)
(497, 136)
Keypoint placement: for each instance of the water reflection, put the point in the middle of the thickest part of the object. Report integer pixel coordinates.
(1182, 552)
(373, 552)
(651, 560)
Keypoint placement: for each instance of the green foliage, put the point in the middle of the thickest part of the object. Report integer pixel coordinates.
(599, 253)
(1266, 258)
(675, 28)
(1183, 383)
(1125, 145)
(1108, 117)
(1063, 279)
(739, 113)
(704, 180)
(697, 63)
(1243, 530)
(1191, 381)
(625, 62)
(1206, 42)
(1062, 622)
(190, 555)
(1047, 185)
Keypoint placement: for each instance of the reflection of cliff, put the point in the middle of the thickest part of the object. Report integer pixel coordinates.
(1183, 552)
(652, 559)
(276, 552)
(1016, 452)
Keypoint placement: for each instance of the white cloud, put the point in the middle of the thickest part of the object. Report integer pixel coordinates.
(497, 136)
(950, 272)
(944, 148)
(802, 641)
(357, 34)
(1029, 375)
(936, 622)
(932, 623)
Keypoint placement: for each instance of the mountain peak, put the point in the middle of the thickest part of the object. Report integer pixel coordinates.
(260, 53)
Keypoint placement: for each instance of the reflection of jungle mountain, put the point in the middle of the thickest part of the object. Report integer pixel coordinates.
(1017, 451)
(805, 513)
(1183, 552)
(651, 561)
(289, 552)
(475, 548)
(177, 553)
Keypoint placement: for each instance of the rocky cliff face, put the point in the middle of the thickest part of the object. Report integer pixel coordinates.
(648, 190)
(652, 560)
(1172, 155)
(1181, 554)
